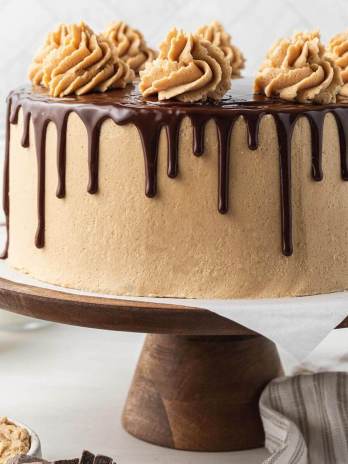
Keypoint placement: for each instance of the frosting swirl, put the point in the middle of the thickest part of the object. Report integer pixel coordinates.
(188, 68)
(217, 35)
(298, 69)
(83, 63)
(338, 49)
(129, 45)
(53, 41)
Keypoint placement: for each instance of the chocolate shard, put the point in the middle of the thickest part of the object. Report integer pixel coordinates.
(67, 461)
(87, 457)
(100, 459)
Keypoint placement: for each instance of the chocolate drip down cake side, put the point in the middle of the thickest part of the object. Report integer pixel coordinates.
(187, 181)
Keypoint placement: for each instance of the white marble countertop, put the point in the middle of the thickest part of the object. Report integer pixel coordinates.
(69, 384)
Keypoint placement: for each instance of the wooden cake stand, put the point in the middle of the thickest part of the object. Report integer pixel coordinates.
(199, 376)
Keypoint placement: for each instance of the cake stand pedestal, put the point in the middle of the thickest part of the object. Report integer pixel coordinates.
(200, 392)
(199, 376)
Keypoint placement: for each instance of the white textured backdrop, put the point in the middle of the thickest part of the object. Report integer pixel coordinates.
(254, 24)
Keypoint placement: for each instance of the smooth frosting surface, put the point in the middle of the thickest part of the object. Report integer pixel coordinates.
(129, 44)
(188, 69)
(298, 69)
(217, 35)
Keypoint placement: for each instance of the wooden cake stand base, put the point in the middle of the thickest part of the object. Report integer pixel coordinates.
(199, 377)
(199, 392)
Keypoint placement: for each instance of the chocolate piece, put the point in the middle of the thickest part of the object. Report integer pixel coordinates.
(67, 461)
(87, 458)
(149, 116)
(100, 459)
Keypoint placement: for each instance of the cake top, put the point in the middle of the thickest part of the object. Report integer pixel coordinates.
(240, 96)
(189, 67)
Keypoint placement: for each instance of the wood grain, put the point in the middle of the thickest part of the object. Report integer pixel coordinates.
(115, 314)
(195, 388)
(201, 393)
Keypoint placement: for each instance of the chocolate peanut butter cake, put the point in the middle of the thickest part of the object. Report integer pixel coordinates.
(184, 188)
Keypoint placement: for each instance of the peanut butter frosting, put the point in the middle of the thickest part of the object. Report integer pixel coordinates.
(53, 41)
(338, 49)
(217, 35)
(129, 45)
(82, 63)
(13, 440)
(298, 69)
(188, 68)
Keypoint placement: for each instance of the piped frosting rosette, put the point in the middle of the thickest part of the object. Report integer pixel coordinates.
(82, 63)
(216, 34)
(338, 49)
(298, 69)
(53, 41)
(188, 69)
(129, 45)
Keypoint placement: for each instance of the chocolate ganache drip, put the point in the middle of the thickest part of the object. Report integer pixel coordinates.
(127, 106)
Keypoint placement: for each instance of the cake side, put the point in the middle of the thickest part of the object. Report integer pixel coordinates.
(177, 244)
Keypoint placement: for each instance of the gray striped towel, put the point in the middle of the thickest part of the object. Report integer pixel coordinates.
(305, 418)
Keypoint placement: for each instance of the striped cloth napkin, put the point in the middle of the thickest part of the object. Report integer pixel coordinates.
(305, 418)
